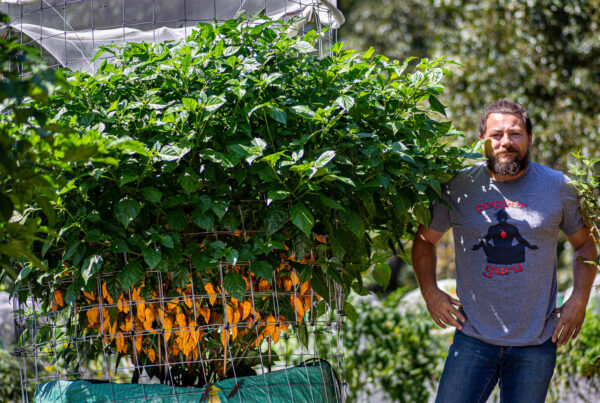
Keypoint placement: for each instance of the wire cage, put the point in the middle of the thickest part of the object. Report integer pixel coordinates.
(157, 341)
(69, 33)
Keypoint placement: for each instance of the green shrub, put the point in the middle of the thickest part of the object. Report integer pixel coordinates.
(393, 350)
(576, 372)
(243, 132)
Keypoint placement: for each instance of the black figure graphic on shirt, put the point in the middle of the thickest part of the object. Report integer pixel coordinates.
(502, 251)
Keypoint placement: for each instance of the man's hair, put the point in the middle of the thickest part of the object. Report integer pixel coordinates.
(505, 106)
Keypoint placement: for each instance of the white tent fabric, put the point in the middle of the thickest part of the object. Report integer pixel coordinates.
(73, 30)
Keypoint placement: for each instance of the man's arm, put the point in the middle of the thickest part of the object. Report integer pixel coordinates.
(572, 312)
(439, 304)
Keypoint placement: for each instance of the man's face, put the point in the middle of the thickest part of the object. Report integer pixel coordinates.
(510, 144)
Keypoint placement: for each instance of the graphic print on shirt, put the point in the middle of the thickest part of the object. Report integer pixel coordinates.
(499, 249)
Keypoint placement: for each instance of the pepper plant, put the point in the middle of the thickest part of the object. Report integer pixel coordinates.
(586, 179)
(233, 150)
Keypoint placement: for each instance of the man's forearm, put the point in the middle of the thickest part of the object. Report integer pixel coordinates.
(424, 262)
(584, 273)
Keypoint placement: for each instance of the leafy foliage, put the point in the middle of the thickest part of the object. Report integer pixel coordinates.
(394, 349)
(577, 363)
(231, 150)
(33, 151)
(586, 178)
(240, 124)
(391, 348)
(544, 54)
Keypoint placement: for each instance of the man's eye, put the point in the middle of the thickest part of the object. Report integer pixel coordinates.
(516, 134)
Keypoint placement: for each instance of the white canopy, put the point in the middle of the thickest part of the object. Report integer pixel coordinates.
(73, 30)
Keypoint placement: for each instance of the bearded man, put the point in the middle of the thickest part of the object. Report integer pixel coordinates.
(507, 324)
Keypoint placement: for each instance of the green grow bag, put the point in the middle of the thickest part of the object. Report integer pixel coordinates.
(309, 382)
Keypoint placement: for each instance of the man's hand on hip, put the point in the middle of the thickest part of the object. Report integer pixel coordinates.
(572, 314)
(441, 308)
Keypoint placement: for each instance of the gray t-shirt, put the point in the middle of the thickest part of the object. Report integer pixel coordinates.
(505, 237)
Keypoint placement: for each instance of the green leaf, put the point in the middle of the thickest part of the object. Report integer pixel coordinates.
(416, 78)
(351, 312)
(435, 185)
(24, 273)
(262, 269)
(129, 146)
(119, 245)
(302, 218)
(152, 194)
(277, 195)
(382, 274)
(171, 152)
(188, 180)
(231, 50)
(132, 274)
(436, 105)
(80, 153)
(319, 283)
(436, 76)
(219, 207)
(275, 219)
(231, 255)
(214, 102)
(368, 53)
(201, 260)
(303, 334)
(300, 243)
(127, 176)
(180, 275)
(235, 285)
(278, 114)
(329, 202)
(347, 181)
(127, 210)
(90, 266)
(345, 102)
(324, 158)
(304, 47)
(354, 222)
(167, 241)
(190, 103)
(72, 293)
(151, 257)
(337, 47)
(303, 111)
(422, 214)
(202, 219)
(205, 203)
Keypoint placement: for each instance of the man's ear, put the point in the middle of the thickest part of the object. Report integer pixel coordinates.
(480, 136)
(531, 139)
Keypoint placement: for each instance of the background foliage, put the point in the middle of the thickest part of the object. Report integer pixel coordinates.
(394, 353)
(408, 359)
(544, 54)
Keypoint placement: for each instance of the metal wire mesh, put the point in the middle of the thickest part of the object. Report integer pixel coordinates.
(196, 336)
(69, 33)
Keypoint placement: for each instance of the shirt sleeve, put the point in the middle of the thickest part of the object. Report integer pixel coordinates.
(440, 214)
(571, 220)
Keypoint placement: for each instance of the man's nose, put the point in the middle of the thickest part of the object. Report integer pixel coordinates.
(506, 140)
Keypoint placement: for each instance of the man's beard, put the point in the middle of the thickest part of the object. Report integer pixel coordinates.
(508, 168)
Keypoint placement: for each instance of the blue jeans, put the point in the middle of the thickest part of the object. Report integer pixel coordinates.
(473, 368)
